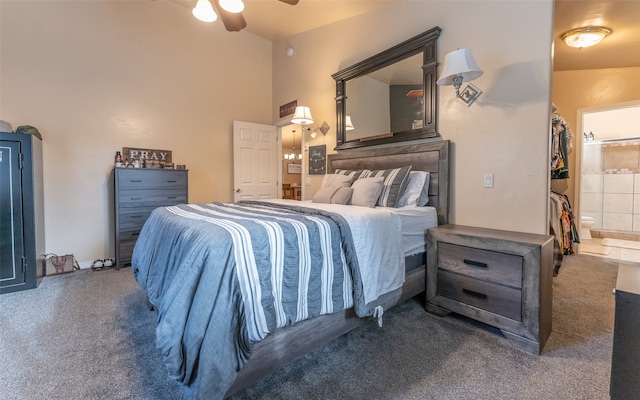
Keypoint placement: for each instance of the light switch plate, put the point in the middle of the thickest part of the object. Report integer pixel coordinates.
(488, 180)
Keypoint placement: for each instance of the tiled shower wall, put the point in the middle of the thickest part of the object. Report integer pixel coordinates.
(611, 184)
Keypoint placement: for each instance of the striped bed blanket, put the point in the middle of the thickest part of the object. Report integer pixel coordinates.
(223, 276)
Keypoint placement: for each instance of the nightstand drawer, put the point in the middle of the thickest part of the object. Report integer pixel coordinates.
(481, 264)
(501, 300)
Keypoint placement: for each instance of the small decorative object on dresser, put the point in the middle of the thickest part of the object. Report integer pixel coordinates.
(137, 193)
(501, 278)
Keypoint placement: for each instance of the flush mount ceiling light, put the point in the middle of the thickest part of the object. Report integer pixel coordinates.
(585, 37)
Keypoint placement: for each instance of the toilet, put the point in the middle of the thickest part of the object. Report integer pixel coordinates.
(586, 223)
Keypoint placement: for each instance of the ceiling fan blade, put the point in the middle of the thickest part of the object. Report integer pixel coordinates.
(233, 22)
(292, 2)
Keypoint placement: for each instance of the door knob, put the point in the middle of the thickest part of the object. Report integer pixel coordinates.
(237, 190)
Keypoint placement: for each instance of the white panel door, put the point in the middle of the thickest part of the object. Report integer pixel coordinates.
(255, 161)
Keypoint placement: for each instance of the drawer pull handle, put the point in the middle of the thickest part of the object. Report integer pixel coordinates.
(172, 197)
(474, 294)
(136, 180)
(173, 181)
(135, 234)
(136, 216)
(136, 198)
(475, 263)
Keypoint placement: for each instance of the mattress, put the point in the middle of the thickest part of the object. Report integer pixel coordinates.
(415, 222)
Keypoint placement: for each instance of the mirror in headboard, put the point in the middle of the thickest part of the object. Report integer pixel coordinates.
(392, 95)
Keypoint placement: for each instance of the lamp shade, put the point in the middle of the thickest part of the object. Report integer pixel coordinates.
(204, 11)
(459, 62)
(302, 116)
(348, 124)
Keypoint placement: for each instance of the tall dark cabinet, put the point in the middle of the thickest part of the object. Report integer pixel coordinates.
(21, 212)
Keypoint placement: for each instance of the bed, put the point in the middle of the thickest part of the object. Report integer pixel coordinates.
(158, 246)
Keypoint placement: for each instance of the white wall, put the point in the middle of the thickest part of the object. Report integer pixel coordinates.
(617, 123)
(505, 132)
(96, 76)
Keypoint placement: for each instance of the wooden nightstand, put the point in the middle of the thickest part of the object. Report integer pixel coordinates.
(501, 278)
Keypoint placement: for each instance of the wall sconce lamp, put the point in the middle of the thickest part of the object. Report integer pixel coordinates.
(585, 37)
(459, 66)
(324, 128)
(302, 116)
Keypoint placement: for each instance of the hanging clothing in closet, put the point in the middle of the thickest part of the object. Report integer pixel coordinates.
(562, 222)
(561, 146)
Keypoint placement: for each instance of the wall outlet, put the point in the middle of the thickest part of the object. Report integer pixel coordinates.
(488, 180)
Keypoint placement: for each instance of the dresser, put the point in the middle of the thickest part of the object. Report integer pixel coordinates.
(625, 357)
(21, 212)
(137, 192)
(501, 278)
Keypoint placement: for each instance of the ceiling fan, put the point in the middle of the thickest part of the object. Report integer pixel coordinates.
(230, 12)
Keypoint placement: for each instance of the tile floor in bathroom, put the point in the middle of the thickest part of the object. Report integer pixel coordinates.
(617, 249)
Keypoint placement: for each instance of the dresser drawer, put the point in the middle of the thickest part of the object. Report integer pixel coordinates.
(498, 299)
(134, 217)
(152, 198)
(486, 265)
(125, 251)
(151, 179)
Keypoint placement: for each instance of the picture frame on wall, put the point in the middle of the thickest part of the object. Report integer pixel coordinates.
(293, 168)
(318, 160)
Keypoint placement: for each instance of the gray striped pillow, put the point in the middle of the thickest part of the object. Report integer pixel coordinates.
(353, 174)
(395, 181)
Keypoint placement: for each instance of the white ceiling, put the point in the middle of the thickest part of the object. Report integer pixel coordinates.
(275, 20)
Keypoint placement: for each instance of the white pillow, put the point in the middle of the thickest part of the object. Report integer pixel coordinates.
(333, 195)
(415, 189)
(324, 194)
(366, 191)
(336, 180)
(423, 200)
(342, 195)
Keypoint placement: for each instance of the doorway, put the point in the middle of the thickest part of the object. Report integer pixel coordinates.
(292, 159)
(609, 187)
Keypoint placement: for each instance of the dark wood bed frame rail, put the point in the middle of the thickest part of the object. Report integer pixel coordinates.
(287, 344)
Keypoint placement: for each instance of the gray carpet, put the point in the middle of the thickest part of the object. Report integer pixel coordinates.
(89, 335)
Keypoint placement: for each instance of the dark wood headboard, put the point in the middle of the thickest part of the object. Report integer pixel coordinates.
(432, 157)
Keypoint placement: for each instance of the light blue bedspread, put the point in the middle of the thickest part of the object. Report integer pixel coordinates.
(222, 276)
